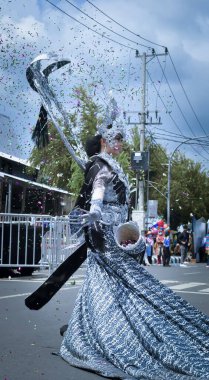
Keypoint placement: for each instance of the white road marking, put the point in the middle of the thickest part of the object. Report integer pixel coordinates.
(189, 292)
(14, 295)
(205, 290)
(21, 280)
(40, 280)
(27, 294)
(187, 285)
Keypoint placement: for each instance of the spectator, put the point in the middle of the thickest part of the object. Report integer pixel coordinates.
(159, 243)
(166, 250)
(149, 247)
(207, 248)
(183, 241)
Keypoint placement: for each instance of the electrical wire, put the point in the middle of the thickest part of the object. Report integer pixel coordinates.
(122, 26)
(186, 95)
(183, 137)
(101, 35)
(202, 144)
(178, 103)
(158, 91)
(172, 133)
(99, 23)
(154, 142)
(171, 116)
(167, 111)
(175, 98)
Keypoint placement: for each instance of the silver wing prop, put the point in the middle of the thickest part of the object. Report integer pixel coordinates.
(37, 77)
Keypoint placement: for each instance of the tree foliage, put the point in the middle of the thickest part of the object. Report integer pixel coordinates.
(189, 187)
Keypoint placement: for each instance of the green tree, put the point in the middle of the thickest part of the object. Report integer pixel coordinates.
(189, 186)
(189, 190)
(157, 175)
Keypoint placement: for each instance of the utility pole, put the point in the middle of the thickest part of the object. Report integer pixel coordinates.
(140, 212)
(142, 138)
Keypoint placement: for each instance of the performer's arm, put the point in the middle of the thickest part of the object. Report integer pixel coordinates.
(98, 191)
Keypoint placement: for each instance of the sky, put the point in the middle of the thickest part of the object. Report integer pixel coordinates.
(101, 37)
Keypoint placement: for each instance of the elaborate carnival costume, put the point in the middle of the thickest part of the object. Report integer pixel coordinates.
(125, 323)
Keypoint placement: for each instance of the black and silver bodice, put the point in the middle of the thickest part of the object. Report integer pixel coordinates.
(106, 188)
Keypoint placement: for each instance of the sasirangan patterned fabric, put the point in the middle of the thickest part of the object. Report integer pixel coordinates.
(125, 323)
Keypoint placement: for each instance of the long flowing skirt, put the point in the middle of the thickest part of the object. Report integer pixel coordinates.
(127, 325)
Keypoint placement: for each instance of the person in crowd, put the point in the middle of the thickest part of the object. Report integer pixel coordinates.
(149, 247)
(159, 246)
(207, 248)
(176, 245)
(166, 250)
(201, 250)
(183, 239)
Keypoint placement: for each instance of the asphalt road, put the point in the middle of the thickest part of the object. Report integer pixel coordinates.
(28, 338)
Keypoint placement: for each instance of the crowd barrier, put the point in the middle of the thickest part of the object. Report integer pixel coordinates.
(30, 241)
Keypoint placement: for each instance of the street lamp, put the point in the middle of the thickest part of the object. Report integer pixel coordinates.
(169, 173)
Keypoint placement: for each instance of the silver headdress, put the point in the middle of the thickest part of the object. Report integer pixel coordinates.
(111, 125)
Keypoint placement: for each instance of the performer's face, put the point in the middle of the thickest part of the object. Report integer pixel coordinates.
(114, 147)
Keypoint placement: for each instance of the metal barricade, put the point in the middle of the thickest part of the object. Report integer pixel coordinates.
(35, 241)
(58, 243)
(20, 239)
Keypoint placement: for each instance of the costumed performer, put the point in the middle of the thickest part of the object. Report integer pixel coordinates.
(125, 323)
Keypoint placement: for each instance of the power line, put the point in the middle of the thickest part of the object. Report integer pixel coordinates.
(122, 26)
(164, 103)
(156, 144)
(172, 133)
(177, 102)
(101, 35)
(187, 95)
(180, 136)
(199, 143)
(104, 26)
(163, 71)
(170, 114)
(158, 91)
(175, 98)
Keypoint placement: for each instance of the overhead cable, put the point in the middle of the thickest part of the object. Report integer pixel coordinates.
(122, 26)
(175, 98)
(104, 26)
(86, 26)
(187, 95)
(170, 114)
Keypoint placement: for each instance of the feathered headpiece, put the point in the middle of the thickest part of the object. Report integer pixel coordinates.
(112, 125)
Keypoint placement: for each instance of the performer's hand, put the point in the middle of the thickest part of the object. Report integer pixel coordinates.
(83, 218)
(91, 217)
